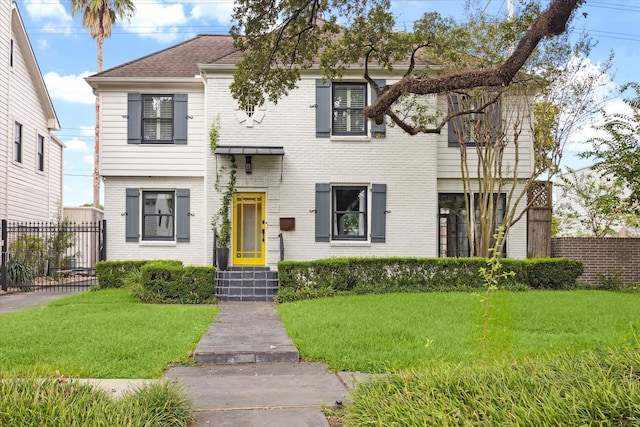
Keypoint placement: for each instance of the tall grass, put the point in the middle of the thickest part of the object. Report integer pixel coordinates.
(102, 334)
(374, 333)
(57, 402)
(585, 389)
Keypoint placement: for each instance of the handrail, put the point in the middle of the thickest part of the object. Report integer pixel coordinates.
(281, 247)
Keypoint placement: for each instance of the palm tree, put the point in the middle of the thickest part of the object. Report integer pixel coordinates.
(99, 17)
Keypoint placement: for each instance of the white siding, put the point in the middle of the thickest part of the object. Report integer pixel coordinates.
(32, 195)
(190, 253)
(5, 43)
(117, 158)
(520, 158)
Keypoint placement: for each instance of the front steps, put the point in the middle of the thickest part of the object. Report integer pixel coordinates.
(246, 284)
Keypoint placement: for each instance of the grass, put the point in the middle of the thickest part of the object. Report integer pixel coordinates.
(102, 334)
(57, 402)
(375, 333)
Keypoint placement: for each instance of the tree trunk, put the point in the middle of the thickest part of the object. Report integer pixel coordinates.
(96, 147)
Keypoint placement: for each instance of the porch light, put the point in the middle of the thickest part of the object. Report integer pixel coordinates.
(247, 164)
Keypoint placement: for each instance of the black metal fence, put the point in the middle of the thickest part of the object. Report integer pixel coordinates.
(51, 256)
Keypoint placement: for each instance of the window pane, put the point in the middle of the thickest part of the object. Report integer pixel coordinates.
(158, 107)
(348, 108)
(349, 212)
(454, 233)
(158, 215)
(157, 118)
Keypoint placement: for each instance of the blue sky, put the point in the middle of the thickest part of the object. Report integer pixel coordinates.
(66, 54)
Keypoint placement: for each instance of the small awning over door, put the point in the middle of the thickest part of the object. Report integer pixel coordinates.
(249, 150)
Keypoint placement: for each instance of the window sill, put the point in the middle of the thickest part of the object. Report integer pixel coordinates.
(350, 243)
(347, 138)
(158, 243)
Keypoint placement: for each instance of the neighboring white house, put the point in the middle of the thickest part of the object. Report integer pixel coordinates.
(31, 157)
(311, 174)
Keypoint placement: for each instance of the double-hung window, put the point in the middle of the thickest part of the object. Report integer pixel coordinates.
(17, 143)
(474, 128)
(349, 100)
(158, 215)
(157, 118)
(349, 212)
(40, 150)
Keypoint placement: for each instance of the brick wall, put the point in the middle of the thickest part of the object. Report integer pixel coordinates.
(605, 256)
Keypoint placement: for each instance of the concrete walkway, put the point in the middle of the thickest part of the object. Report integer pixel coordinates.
(251, 375)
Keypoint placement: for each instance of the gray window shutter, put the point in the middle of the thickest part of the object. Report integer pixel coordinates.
(134, 118)
(323, 109)
(380, 129)
(378, 212)
(323, 212)
(183, 217)
(454, 107)
(180, 112)
(132, 215)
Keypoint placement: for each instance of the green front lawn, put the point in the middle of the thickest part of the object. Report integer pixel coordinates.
(374, 333)
(103, 334)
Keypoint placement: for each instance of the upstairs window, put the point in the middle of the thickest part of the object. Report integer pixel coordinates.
(157, 118)
(349, 100)
(40, 151)
(17, 143)
(476, 127)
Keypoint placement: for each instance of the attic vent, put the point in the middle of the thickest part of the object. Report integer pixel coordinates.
(250, 110)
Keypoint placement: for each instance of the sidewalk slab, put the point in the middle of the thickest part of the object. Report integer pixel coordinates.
(268, 386)
(16, 301)
(287, 417)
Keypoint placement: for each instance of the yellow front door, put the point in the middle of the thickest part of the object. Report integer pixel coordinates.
(249, 229)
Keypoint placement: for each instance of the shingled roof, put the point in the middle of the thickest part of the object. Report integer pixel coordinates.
(180, 60)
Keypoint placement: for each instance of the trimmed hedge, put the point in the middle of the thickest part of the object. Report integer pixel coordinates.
(159, 281)
(333, 276)
(167, 282)
(112, 274)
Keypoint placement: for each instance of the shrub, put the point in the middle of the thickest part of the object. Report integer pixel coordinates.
(328, 277)
(20, 274)
(169, 282)
(112, 274)
(30, 249)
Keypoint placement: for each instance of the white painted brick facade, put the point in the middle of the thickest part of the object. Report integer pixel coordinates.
(190, 253)
(408, 165)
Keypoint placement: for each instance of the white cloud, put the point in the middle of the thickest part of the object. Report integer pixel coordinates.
(219, 11)
(76, 144)
(88, 159)
(71, 88)
(43, 44)
(157, 21)
(49, 10)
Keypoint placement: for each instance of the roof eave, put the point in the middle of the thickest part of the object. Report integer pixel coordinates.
(98, 83)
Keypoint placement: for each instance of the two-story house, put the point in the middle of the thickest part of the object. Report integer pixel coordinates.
(31, 157)
(314, 178)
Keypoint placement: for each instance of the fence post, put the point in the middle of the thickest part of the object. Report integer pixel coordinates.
(4, 255)
(103, 247)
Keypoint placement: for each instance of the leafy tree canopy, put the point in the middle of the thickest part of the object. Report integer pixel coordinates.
(282, 39)
(618, 152)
